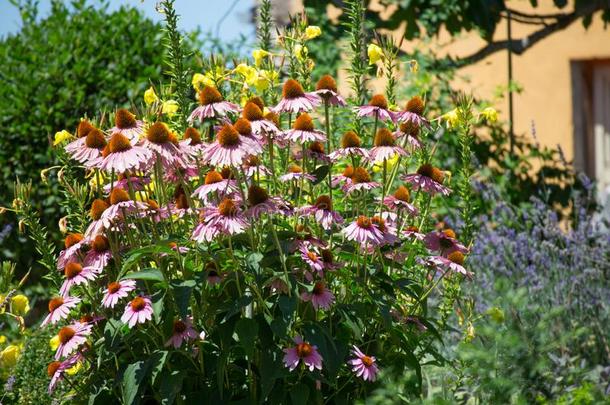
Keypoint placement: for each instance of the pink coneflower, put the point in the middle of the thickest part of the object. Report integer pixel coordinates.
(229, 148)
(411, 132)
(71, 337)
(139, 310)
(350, 146)
(153, 212)
(254, 167)
(312, 259)
(314, 151)
(160, 141)
(260, 203)
(76, 275)
(120, 155)
(344, 178)
(213, 275)
(387, 230)
(413, 231)
(385, 147)
(120, 205)
(399, 201)
(214, 183)
(117, 290)
(56, 369)
(177, 248)
(413, 113)
(323, 212)
(294, 100)
(363, 231)
(125, 123)
(99, 255)
(295, 172)
(305, 352)
(182, 331)
(59, 308)
(98, 207)
(191, 143)
(73, 243)
(428, 178)
(328, 260)
(90, 153)
(444, 242)
(225, 219)
(82, 130)
(212, 105)
(364, 366)
(261, 127)
(326, 89)
(303, 131)
(453, 262)
(360, 180)
(377, 107)
(126, 181)
(320, 296)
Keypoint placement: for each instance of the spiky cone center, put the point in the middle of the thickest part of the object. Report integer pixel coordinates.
(432, 172)
(456, 257)
(253, 161)
(384, 137)
(292, 89)
(327, 82)
(172, 245)
(152, 204)
(100, 244)
(449, 233)
(227, 173)
(72, 270)
(194, 135)
(402, 194)
(412, 228)
(114, 287)
(118, 143)
(295, 169)
(65, 334)
(124, 119)
(209, 95)
(318, 288)
(227, 208)
(416, 105)
(106, 151)
(316, 147)
(273, 117)
(72, 239)
(367, 361)
(243, 127)
(252, 112)
(350, 140)
(179, 326)
(52, 368)
(361, 175)
(348, 172)
(324, 203)
(304, 349)
(303, 123)
(258, 101)
(118, 195)
(377, 220)
(173, 138)
(138, 304)
(95, 139)
(228, 136)
(211, 266)
(364, 222)
(158, 133)
(257, 195)
(86, 318)
(213, 177)
(97, 209)
(55, 303)
(312, 256)
(379, 100)
(83, 128)
(410, 128)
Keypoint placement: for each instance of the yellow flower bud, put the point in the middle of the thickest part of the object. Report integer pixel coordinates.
(150, 96)
(21, 226)
(470, 332)
(300, 52)
(489, 114)
(170, 107)
(63, 224)
(413, 66)
(9, 356)
(259, 55)
(54, 342)
(61, 136)
(312, 31)
(20, 305)
(375, 53)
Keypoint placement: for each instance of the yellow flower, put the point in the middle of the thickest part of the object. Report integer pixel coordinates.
(312, 31)
(9, 356)
(378, 167)
(451, 118)
(470, 332)
(75, 368)
(170, 107)
(150, 96)
(199, 81)
(20, 305)
(413, 66)
(300, 52)
(2, 296)
(61, 136)
(54, 342)
(375, 53)
(259, 55)
(2, 339)
(489, 114)
(248, 72)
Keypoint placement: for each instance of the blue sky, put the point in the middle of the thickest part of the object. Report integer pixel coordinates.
(193, 13)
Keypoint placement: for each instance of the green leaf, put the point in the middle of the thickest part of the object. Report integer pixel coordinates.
(152, 274)
(320, 173)
(132, 381)
(300, 394)
(182, 295)
(156, 363)
(171, 385)
(247, 332)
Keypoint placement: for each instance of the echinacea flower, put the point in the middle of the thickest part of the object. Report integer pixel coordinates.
(260, 203)
(377, 108)
(120, 206)
(409, 130)
(414, 112)
(388, 231)
(244, 129)
(360, 180)
(90, 153)
(345, 177)
(443, 242)
(82, 130)
(99, 255)
(117, 290)
(328, 260)
(350, 146)
(399, 201)
(214, 183)
(212, 105)
(413, 231)
(139, 310)
(230, 148)
(428, 178)
(73, 243)
(56, 369)
(126, 123)
(120, 155)
(295, 172)
(385, 147)
(294, 100)
(71, 337)
(364, 366)
(128, 181)
(159, 140)
(191, 143)
(213, 275)
(303, 131)
(363, 231)
(182, 331)
(453, 262)
(59, 308)
(225, 219)
(261, 126)
(254, 168)
(76, 274)
(305, 352)
(310, 257)
(320, 296)
(326, 89)
(322, 211)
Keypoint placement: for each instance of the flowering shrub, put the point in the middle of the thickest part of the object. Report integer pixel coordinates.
(252, 248)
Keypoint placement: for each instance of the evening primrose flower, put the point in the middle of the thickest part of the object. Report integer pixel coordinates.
(150, 96)
(248, 72)
(489, 114)
(20, 305)
(199, 81)
(9, 356)
(301, 52)
(54, 342)
(259, 55)
(170, 107)
(312, 31)
(375, 53)
(451, 118)
(61, 136)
